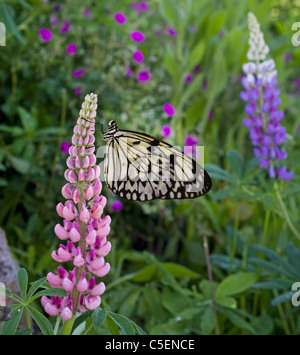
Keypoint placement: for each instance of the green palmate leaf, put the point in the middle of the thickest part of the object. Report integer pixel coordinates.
(43, 323)
(234, 284)
(284, 297)
(112, 325)
(277, 259)
(218, 173)
(98, 317)
(10, 327)
(138, 329)
(274, 284)
(34, 286)
(238, 320)
(22, 278)
(123, 323)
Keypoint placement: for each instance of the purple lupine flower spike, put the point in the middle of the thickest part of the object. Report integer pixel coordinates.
(263, 100)
(83, 228)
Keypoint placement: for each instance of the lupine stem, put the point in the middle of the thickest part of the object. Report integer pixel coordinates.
(234, 240)
(68, 325)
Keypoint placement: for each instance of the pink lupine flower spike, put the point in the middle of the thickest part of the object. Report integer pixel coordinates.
(83, 230)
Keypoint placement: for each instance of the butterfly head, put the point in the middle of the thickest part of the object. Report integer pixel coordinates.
(112, 129)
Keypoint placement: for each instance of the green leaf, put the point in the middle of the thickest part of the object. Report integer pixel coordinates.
(284, 297)
(237, 320)
(138, 329)
(235, 162)
(274, 284)
(34, 286)
(208, 320)
(49, 292)
(234, 284)
(9, 327)
(170, 63)
(169, 11)
(22, 278)
(98, 317)
(146, 274)
(43, 322)
(20, 165)
(123, 323)
(180, 271)
(112, 325)
(29, 122)
(228, 302)
(195, 56)
(218, 173)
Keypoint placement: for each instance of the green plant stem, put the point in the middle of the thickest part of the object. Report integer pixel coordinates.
(27, 319)
(211, 282)
(234, 241)
(57, 323)
(68, 325)
(281, 314)
(264, 232)
(285, 212)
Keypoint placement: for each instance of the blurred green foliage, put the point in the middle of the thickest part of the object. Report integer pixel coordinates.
(159, 269)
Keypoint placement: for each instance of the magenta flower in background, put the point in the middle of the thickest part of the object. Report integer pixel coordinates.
(197, 69)
(66, 26)
(211, 114)
(117, 205)
(77, 90)
(263, 100)
(84, 228)
(57, 7)
(138, 56)
(190, 144)
(188, 78)
(120, 18)
(87, 12)
(78, 73)
(137, 36)
(171, 32)
(45, 34)
(169, 109)
(53, 20)
(287, 57)
(140, 7)
(128, 72)
(166, 131)
(71, 49)
(64, 147)
(144, 75)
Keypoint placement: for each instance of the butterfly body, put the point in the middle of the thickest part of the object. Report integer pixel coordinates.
(140, 167)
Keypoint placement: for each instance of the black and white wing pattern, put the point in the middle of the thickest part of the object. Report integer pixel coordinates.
(142, 168)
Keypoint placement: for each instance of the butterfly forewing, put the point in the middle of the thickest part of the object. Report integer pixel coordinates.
(140, 167)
